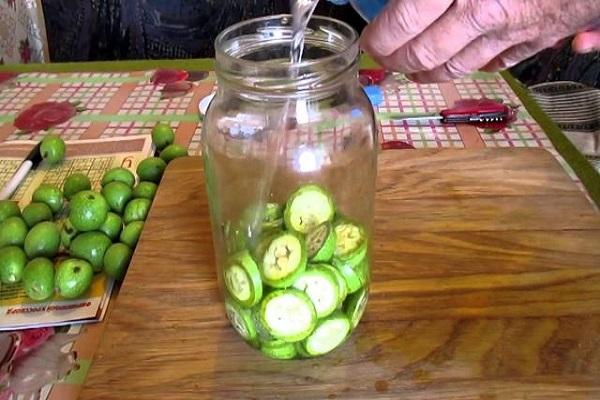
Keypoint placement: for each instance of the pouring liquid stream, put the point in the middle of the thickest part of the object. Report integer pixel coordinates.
(302, 11)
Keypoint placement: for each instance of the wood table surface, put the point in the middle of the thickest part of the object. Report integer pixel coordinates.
(486, 285)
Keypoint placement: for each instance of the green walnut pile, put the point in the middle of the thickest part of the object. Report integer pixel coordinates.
(302, 286)
(65, 236)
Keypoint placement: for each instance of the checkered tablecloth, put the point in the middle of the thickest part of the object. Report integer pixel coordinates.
(123, 104)
(128, 103)
(408, 97)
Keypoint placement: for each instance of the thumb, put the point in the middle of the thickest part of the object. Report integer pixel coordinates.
(586, 42)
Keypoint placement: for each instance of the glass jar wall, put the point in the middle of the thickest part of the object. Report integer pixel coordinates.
(290, 154)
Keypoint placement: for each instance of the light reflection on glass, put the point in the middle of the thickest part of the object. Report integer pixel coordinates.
(309, 159)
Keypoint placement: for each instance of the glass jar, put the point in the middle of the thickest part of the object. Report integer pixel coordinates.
(290, 153)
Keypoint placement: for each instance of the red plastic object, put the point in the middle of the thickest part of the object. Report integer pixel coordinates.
(483, 113)
(44, 115)
(371, 76)
(176, 89)
(163, 76)
(5, 76)
(31, 339)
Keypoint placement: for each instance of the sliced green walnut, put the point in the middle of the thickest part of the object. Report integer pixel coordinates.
(343, 289)
(320, 243)
(284, 259)
(308, 207)
(263, 335)
(351, 243)
(301, 351)
(355, 276)
(355, 306)
(260, 243)
(329, 334)
(270, 341)
(321, 286)
(288, 315)
(241, 320)
(272, 216)
(284, 351)
(242, 279)
(265, 217)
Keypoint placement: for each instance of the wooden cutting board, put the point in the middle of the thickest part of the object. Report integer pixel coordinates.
(486, 285)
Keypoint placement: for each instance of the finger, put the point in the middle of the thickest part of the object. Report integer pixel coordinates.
(458, 28)
(399, 22)
(473, 57)
(586, 42)
(515, 55)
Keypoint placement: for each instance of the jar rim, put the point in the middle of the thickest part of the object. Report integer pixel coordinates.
(221, 39)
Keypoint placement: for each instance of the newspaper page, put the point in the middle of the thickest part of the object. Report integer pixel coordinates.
(93, 158)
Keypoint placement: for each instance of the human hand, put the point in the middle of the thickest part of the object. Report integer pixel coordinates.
(438, 40)
(588, 40)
